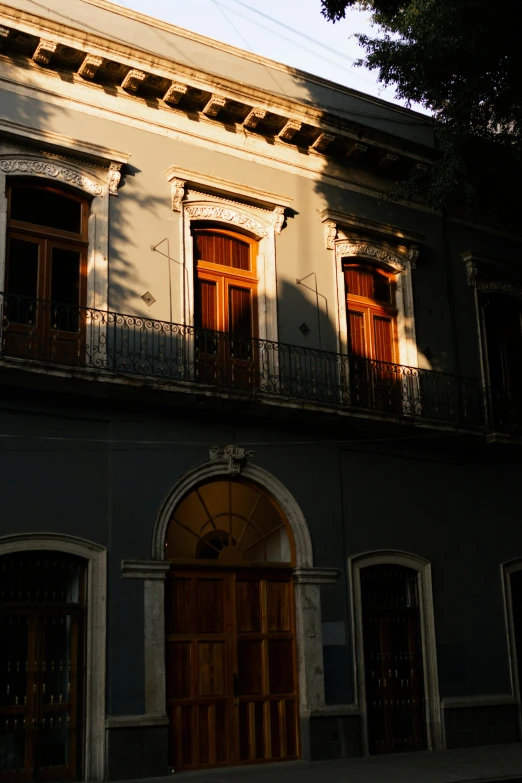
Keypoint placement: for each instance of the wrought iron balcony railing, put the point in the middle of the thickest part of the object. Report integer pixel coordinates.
(130, 345)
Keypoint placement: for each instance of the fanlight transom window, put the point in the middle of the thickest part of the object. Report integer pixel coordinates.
(231, 522)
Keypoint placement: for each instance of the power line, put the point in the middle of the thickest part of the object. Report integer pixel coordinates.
(296, 32)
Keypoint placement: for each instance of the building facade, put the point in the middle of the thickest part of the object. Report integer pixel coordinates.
(260, 426)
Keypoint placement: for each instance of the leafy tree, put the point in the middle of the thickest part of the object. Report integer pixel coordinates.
(462, 60)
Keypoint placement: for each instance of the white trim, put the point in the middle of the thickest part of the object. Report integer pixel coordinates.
(259, 223)
(428, 643)
(81, 178)
(506, 569)
(400, 264)
(96, 557)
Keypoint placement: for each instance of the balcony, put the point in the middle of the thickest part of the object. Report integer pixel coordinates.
(186, 358)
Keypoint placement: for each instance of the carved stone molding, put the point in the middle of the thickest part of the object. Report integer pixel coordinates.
(89, 67)
(377, 252)
(356, 151)
(234, 457)
(113, 178)
(498, 287)
(214, 105)
(254, 117)
(226, 214)
(177, 191)
(133, 80)
(175, 93)
(44, 52)
(53, 171)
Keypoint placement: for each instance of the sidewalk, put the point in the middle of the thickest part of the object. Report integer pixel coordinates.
(494, 762)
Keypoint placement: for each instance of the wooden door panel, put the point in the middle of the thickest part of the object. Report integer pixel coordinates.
(242, 704)
(211, 662)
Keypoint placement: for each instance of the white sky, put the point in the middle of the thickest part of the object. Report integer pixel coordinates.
(330, 53)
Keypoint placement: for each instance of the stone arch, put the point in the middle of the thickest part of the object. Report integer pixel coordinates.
(83, 179)
(259, 476)
(96, 558)
(428, 641)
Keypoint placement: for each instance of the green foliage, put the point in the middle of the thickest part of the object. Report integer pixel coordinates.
(462, 60)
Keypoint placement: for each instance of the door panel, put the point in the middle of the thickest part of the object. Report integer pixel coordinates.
(392, 659)
(42, 726)
(241, 701)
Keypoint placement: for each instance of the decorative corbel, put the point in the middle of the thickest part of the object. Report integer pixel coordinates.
(254, 117)
(289, 130)
(356, 151)
(322, 141)
(114, 177)
(133, 80)
(413, 254)
(234, 457)
(44, 51)
(388, 160)
(278, 219)
(175, 93)
(330, 234)
(177, 187)
(214, 105)
(89, 67)
(4, 34)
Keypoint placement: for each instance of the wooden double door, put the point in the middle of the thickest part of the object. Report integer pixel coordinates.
(230, 666)
(395, 703)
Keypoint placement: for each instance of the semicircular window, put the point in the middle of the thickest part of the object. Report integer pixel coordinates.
(230, 522)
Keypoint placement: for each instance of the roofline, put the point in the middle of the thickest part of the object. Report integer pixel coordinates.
(215, 44)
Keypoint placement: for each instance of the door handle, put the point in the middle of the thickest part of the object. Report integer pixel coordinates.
(236, 689)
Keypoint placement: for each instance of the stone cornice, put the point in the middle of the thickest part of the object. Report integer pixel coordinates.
(385, 231)
(489, 274)
(312, 127)
(234, 190)
(57, 142)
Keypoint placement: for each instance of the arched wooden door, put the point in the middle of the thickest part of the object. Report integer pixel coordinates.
(394, 681)
(42, 613)
(230, 630)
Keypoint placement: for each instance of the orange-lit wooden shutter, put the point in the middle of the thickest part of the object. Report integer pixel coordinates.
(356, 327)
(240, 311)
(206, 304)
(383, 338)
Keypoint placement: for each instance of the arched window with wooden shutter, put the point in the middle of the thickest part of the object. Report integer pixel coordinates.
(225, 306)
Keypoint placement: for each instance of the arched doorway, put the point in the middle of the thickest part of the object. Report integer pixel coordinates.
(230, 628)
(42, 661)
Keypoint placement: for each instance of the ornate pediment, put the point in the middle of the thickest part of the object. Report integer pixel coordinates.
(397, 258)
